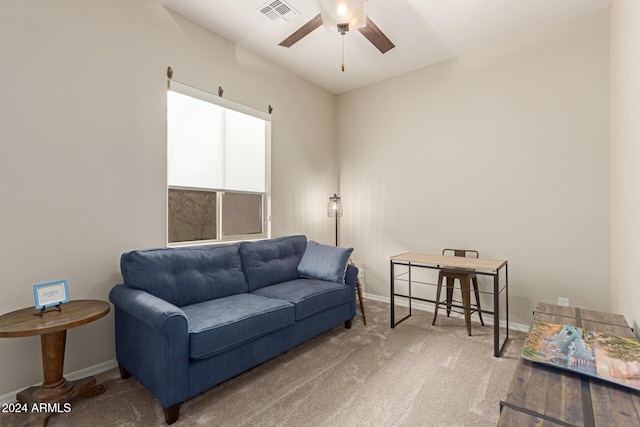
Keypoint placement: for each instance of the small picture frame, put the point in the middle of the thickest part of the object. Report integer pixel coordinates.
(51, 294)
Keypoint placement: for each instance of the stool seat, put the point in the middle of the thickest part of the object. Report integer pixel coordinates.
(466, 277)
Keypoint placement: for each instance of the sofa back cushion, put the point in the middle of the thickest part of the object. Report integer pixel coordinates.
(184, 276)
(272, 261)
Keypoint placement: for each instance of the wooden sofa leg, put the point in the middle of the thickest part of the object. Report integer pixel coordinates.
(172, 413)
(124, 374)
(348, 323)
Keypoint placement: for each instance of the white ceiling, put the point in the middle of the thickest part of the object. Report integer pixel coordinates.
(425, 32)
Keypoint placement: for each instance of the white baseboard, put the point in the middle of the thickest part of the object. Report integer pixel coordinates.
(82, 373)
(423, 306)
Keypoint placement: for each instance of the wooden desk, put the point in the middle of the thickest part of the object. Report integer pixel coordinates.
(481, 266)
(52, 328)
(544, 395)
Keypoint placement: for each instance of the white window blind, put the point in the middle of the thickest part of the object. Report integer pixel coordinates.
(213, 146)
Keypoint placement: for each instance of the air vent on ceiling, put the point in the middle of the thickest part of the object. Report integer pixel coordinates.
(278, 11)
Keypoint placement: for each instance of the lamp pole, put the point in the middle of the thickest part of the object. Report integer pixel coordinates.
(334, 209)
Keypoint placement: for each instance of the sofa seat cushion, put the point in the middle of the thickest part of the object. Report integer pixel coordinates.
(310, 296)
(219, 325)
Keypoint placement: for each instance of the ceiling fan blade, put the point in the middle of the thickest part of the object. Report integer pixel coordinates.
(376, 36)
(315, 22)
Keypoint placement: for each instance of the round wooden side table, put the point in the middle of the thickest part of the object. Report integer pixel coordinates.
(52, 328)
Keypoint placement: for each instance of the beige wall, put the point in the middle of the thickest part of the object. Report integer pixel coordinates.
(625, 158)
(82, 128)
(504, 150)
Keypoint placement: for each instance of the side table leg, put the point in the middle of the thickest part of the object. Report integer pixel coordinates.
(54, 386)
(359, 289)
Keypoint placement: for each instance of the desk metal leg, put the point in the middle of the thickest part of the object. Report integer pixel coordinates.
(409, 290)
(496, 315)
(498, 347)
(506, 300)
(393, 322)
(392, 296)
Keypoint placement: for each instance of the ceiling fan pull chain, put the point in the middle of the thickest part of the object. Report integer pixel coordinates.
(343, 52)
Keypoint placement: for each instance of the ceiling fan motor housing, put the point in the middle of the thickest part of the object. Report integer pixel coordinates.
(343, 15)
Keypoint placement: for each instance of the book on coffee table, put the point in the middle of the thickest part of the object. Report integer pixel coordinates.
(584, 351)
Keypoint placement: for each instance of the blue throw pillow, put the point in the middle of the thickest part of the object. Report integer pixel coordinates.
(324, 262)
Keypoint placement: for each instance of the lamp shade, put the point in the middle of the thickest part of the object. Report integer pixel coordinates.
(334, 207)
(338, 13)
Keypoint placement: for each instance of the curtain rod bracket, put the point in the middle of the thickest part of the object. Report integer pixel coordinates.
(270, 109)
(169, 73)
(220, 91)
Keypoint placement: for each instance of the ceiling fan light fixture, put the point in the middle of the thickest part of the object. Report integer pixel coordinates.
(336, 14)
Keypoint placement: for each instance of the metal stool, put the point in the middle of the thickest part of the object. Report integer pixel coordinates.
(465, 279)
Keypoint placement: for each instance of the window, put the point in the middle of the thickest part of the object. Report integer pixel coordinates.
(217, 168)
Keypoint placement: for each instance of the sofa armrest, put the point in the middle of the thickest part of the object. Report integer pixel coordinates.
(152, 342)
(351, 276)
(155, 312)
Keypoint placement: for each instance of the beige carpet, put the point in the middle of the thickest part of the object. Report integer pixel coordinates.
(413, 375)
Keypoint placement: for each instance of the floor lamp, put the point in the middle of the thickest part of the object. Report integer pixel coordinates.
(334, 210)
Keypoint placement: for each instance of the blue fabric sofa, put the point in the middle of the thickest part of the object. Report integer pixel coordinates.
(189, 318)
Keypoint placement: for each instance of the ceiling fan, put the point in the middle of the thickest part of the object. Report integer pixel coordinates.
(343, 16)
